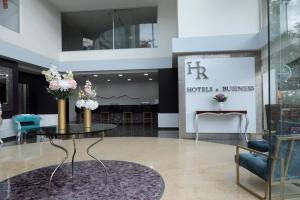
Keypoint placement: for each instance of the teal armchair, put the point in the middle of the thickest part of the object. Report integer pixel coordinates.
(281, 166)
(25, 122)
(283, 128)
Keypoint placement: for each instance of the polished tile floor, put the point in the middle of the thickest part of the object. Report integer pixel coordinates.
(191, 170)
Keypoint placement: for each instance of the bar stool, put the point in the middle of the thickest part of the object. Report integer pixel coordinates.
(127, 115)
(105, 115)
(147, 114)
(147, 118)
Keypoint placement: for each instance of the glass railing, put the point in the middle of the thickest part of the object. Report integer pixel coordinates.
(109, 29)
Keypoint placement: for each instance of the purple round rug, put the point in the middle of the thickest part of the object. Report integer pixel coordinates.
(126, 181)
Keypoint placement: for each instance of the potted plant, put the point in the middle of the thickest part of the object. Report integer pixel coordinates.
(220, 99)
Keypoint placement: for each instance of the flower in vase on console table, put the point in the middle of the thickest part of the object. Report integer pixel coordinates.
(60, 85)
(87, 97)
(220, 98)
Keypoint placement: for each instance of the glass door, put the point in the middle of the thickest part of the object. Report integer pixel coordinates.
(284, 54)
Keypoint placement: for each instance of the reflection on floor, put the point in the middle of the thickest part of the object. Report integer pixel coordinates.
(121, 131)
(222, 138)
(191, 170)
(153, 131)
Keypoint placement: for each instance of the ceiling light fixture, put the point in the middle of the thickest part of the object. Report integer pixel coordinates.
(120, 75)
(129, 79)
(108, 80)
(95, 75)
(150, 79)
(146, 74)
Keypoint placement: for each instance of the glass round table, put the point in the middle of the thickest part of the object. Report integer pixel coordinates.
(72, 130)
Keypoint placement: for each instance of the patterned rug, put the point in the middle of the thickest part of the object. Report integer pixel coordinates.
(126, 181)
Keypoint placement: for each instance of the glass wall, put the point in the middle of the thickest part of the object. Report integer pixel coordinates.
(284, 46)
(10, 15)
(87, 30)
(109, 29)
(135, 28)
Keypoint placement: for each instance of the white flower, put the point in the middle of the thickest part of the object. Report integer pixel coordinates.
(88, 104)
(64, 85)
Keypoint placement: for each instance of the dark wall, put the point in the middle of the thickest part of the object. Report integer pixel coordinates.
(168, 90)
(40, 101)
(14, 66)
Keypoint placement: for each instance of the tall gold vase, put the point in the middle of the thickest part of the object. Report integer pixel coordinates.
(87, 118)
(61, 104)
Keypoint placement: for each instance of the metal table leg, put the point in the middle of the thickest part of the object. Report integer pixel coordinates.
(241, 129)
(196, 126)
(88, 152)
(246, 128)
(61, 163)
(74, 152)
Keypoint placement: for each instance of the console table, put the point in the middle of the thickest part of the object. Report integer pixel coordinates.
(240, 113)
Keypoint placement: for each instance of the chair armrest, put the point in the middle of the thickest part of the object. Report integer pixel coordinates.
(238, 147)
(19, 127)
(251, 150)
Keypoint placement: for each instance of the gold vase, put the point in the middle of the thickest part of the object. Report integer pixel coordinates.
(87, 118)
(61, 104)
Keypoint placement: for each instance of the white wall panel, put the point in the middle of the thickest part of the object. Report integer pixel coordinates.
(221, 72)
(40, 29)
(198, 18)
(168, 120)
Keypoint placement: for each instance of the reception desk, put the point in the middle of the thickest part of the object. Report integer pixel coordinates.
(116, 113)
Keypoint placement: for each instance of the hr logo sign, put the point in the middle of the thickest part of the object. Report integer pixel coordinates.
(200, 70)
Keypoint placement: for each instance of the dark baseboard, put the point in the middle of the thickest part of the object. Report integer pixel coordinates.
(219, 136)
(9, 139)
(168, 128)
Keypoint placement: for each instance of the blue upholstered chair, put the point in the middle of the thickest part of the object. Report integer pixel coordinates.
(283, 128)
(24, 122)
(282, 164)
(259, 145)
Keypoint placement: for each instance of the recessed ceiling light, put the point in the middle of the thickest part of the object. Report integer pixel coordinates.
(95, 75)
(146, 74)
(108, 80)
(150, 79)
(120, 75)
(129, 79)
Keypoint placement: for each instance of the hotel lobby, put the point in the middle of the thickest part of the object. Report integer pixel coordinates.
(150, 100)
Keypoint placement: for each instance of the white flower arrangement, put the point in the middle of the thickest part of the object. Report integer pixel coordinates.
(87, 97)
(60, 86)
(88, 104)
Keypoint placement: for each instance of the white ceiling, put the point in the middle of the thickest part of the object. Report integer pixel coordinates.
(80, 5)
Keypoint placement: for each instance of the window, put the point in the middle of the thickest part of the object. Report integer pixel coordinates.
(87, 30)
(10, 17)
(135, 28)
(109, 29)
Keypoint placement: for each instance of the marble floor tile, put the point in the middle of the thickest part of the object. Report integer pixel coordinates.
(191, 170)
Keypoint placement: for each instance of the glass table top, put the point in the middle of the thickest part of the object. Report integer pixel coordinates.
(71, 129)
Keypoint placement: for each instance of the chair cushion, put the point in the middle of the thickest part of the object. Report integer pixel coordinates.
(259, 145)
(256, 164)
(28, 123)
(26, 128)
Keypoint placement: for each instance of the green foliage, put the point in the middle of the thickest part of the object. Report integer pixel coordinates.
(58, 94)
